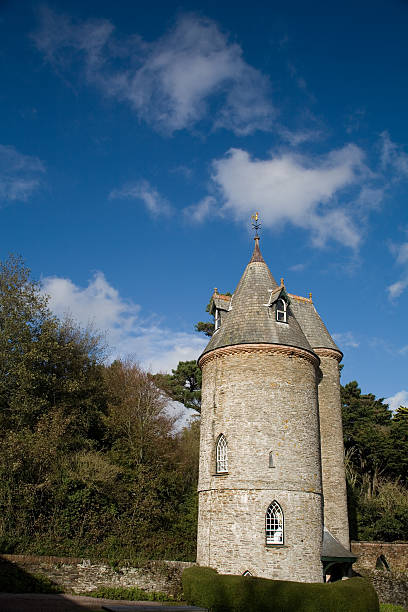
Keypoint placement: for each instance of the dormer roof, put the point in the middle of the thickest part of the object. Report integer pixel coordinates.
(251, 318)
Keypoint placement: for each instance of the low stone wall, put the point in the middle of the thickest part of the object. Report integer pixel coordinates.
(391, 587)
(76, 575)
(396, 554)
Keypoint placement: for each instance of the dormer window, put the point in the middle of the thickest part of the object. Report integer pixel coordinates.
(217, 319)
(281, 311)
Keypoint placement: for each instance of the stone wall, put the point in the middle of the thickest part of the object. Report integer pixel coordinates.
(331, 434)
(263, 398)
(396, 554)
(391, 587)
(76, 575)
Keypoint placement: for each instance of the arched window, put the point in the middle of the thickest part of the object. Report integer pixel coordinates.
(281, 310)
(274, 524)
(271, 464)
(222, 455)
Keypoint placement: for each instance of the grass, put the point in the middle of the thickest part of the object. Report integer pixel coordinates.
(129, 594)
(391, 608)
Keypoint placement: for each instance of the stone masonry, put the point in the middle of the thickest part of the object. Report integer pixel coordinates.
(262, 400)
(331, 434)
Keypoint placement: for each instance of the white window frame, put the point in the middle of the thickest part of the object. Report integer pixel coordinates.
(247, 573)
(221, 466)
(281, 314)
(217, 319)
(274, 524)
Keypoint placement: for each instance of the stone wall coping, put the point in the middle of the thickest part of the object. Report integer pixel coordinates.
(380, 543)
(83, 560)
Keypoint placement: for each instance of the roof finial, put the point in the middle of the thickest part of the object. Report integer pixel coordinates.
(255, 224)
(310, 296)
(282, 282)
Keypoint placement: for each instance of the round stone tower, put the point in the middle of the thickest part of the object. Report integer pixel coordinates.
(260, 488)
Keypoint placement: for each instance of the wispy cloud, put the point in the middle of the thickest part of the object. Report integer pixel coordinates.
(400, 252)
(393, 157)
(399, 399)
(293, 188)
(346, 339)
(169, 82)
(155, 346)
(20, 175)
(206, 207)
(142, 190)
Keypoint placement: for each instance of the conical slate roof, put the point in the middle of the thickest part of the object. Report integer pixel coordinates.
(311, 324)
(250, 318)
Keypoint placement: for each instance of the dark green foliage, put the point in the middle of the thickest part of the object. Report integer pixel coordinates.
(128, 594)
(183, 385)
(204, 587)
(376, 447)
(15, 580)
(89, 462)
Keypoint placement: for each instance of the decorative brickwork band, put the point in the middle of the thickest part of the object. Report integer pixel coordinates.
(325, 352)
(263, 348)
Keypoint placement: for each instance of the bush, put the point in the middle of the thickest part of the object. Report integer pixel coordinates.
(204, 587)
(129, 594)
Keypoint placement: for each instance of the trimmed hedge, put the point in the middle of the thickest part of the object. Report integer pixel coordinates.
(204, 587)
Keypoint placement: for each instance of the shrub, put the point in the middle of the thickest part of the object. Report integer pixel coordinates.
(204, 587)
(129, 594)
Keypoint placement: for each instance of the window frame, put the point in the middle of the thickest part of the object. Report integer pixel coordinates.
(280, 312)
(221, 455)
(274, 524)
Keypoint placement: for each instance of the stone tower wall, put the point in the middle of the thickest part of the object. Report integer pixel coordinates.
(262, 398)
(332, 449)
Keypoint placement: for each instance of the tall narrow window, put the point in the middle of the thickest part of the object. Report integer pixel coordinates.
(281, 311)
(274, 524)
(217, 319)
(222, 455)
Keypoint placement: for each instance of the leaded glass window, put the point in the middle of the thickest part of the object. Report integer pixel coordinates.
(274, 524)
(222, 455)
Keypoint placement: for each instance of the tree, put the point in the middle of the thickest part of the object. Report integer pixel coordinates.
(397, 459)
(137, 419)
(366, 427)
(183, 385)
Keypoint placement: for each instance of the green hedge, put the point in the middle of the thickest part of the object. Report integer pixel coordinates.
(204, 587)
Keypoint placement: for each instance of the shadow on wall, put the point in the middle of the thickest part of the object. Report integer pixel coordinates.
(16, 581)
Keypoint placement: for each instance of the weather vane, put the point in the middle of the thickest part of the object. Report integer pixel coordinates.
(255, 224)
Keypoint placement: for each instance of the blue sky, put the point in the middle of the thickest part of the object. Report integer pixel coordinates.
(138, 138)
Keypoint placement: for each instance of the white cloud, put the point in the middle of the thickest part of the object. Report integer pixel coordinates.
(393, 157)
(197, 213)
(142, 190)
(346, 339)
(20, 175)
(399, 399)
(400, 252)
(156, 347)
(290, 188)
(169, 82)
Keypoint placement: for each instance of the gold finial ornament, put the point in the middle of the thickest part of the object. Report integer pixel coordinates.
(310, 295)
(282, 282)
(255, 224)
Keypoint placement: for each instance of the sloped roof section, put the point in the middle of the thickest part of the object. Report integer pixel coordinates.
(332, 550)
(311, 323)
(250, 320)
